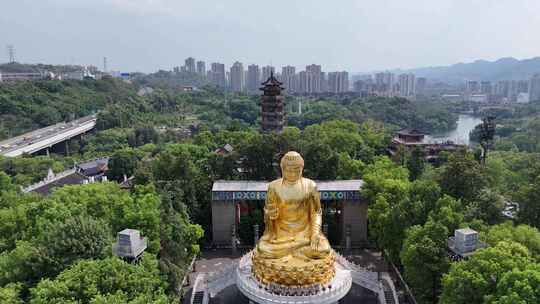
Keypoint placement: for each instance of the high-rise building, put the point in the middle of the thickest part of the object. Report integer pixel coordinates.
(502, 88)
(421, 83)
(314, 76)
(534, 88)
(338, 82)
(237, 77)
(190, 65)
(301, 83)
(253, 78)
(272, 105)
(486, 87)
(385, 84)
(201, 68)
(267, 71)
(472, 87)
(288, 77)
(217, 73)
(512, 91)
(324, 82)
(407, 85)
(523, 86)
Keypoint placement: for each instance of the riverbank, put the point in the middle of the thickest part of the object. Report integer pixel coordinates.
(460, 135)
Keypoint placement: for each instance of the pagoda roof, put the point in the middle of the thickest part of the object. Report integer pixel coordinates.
(272, 81)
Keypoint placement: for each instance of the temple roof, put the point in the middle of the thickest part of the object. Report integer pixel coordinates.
(262, 186)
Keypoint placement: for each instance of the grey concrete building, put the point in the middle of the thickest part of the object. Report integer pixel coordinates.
(190, 65)
(421, 83)
(237, 77)
(288, 77)
(218, 75)
(534, 88)
(314, 78)
(338, 82)
(385, 84)
(253, 79)
(407, 85)
(201, 68)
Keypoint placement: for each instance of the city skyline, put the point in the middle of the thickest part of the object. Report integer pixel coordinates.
(146, 36)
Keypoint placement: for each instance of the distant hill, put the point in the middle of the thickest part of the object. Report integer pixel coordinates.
(503, 69)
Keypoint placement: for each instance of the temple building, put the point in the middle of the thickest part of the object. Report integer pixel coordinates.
(272, 105)
(408, 139)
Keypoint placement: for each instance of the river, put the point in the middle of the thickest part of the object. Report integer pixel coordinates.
(460, 134)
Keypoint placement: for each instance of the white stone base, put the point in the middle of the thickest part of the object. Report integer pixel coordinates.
(249, 286)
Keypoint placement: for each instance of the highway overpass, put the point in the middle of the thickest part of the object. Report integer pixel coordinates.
(45, 138)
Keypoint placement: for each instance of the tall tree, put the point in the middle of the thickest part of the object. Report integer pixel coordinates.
(529, 206)
(110, 279)
(424, 259)
(476, 279)
(462, 177)
(416, 163)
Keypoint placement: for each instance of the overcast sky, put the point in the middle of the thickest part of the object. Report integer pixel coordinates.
(358, 36)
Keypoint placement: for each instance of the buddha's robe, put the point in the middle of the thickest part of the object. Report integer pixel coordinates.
(298, 221)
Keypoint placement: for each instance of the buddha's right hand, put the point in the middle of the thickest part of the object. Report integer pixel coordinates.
(272, 211)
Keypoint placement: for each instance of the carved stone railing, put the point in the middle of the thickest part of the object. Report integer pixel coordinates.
(363, 277)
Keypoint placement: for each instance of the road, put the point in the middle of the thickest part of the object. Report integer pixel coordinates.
(40, 139)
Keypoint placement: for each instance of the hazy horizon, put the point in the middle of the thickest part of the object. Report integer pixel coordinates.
(357, 36)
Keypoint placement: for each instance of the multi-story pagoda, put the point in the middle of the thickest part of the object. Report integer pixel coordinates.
(272, 105)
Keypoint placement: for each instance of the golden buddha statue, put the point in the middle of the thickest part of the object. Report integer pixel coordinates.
(292, 250)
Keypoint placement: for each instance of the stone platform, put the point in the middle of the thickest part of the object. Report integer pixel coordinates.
(260, 293)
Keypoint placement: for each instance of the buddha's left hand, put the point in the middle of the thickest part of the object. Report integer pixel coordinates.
(316, 242)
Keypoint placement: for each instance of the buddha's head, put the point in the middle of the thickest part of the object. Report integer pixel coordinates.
(292, 165)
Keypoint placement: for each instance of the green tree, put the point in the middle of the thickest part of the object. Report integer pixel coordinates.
(518, 287)
(474, 280)
(179, 236)
(529, 208)
(523, 234)
(106, 201)
(143, 135)
(424, 259)
(462, 177)
(89, 281)
(349, 168)
(386, 186)
(416, 163)
(123, 163)
(259, 154)
(488, 207)
(447, 212)
(63, 243)
(10, 294)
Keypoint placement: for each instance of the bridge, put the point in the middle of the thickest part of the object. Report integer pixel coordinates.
(45, 138)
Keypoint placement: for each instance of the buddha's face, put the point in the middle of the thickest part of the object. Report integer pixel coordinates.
(292, 172)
